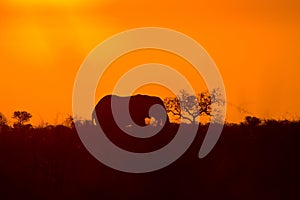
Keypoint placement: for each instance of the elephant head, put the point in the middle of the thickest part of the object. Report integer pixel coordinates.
(126, 110)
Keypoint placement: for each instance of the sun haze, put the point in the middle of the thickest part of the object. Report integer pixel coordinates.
(254, 44)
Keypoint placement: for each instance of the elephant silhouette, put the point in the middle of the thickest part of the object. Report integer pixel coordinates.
(126, 110)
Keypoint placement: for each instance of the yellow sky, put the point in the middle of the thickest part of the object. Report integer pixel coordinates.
(255, 45)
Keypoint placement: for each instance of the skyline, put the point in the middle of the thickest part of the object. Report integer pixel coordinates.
(254, 45)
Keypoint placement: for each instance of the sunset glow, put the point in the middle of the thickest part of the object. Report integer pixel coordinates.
(254, 44)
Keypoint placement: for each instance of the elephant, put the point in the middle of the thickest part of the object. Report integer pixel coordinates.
(137, 111)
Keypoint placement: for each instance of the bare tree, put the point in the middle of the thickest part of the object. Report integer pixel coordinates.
(21, 117)
(173, 107)
(190, 107)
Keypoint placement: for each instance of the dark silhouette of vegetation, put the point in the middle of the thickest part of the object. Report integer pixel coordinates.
(22, 117)
(252, 121)
(190, 107)
(3, 120)
(257, 159)
(69, 121)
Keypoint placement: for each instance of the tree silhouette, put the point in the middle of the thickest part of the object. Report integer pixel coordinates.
(252, 121)
(21, 117)
(3, 120)
(69, 121)
(190, 107)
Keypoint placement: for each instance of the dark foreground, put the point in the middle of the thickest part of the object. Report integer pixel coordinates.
(248, 162)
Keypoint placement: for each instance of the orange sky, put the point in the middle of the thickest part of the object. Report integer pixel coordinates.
(255, 45)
